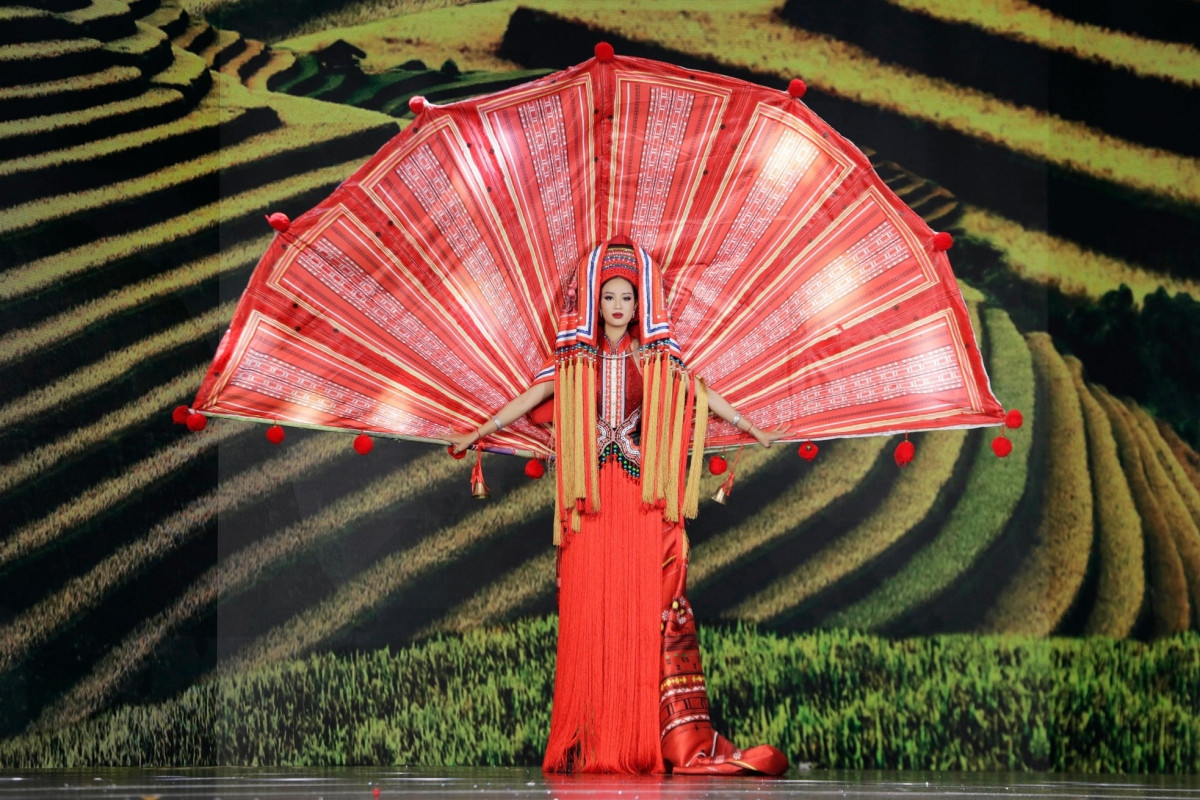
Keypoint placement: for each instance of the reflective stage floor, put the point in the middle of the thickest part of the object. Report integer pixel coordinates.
(327, 784)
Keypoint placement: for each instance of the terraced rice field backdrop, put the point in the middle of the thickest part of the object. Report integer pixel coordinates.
(156, 585)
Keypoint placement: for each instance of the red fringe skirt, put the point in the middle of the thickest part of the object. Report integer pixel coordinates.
(606, 686)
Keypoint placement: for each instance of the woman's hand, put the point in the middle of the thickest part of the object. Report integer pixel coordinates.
(765, 438)
(462, 441)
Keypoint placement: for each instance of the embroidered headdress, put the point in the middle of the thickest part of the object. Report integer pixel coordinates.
(619, 261)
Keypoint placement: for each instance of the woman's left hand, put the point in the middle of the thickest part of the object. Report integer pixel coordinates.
(765, 438)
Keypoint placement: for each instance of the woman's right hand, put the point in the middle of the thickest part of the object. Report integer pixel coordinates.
(462, 441)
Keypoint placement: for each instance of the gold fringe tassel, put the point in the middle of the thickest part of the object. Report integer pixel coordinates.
(575, 429)
(650, 412)
(563, 408)
(665, 422)
(579, 445)
(691, 499)
(678, 447)
(591, 462)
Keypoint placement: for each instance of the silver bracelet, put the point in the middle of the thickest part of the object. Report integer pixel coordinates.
(737, 417)
(499, 424)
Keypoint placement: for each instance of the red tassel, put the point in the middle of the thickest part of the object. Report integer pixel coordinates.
(905, 452)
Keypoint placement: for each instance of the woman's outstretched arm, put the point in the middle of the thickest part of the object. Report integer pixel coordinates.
(720, 406)
(527, 401)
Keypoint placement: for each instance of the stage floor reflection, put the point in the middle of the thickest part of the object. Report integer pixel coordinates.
(444, 783)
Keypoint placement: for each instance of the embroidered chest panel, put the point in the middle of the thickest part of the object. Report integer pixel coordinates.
(620, 407)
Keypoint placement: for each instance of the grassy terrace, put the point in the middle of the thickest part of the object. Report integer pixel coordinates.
(747, 36)
(1165, 577)
(46, 272)
(1174, 507)
(171, 19)
(139, 411)
(832, 478)
(195, 37)
(118, 206)
(501, 599)
(1055, 261)
(913, 495)
(993, 488)
(45, 618)
(358, 596)
(1120, 549)
(36, 134)
(1038, 595)
(964, 52)
(83, 84)
(250, 565)
(90, 377)
(1030, 23)
(53, 331)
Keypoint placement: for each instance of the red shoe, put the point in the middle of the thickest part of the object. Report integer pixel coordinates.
(727, 760)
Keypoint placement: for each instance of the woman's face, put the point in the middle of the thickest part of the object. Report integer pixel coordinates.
(618, 303)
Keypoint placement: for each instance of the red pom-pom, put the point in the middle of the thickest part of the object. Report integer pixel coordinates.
(904, 453)
(1001, 446)
(275, 434)
(179, 415)
(543, 414)
(196, 422)
(375, 791)
(279, 221)
(450, 450)
(534, 469)
(717, 465)
(808, 451)
(363, 444)
(416, 104)
(1014, 419)
(942, 241)
(604, 51)
(797, 88)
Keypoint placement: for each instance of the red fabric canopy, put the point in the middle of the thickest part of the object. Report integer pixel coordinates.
(423, 294)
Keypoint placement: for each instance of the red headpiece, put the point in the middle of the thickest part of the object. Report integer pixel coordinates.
(620, 261)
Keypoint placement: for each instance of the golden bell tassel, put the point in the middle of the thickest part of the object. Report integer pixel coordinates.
(479, 489)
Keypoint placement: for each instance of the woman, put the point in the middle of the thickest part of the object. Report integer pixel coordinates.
(629, 690)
